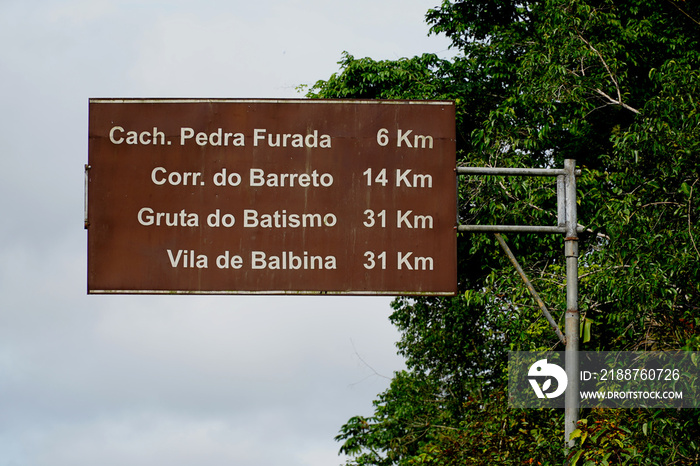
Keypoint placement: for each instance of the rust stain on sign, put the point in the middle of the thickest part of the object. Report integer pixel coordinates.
(271, 196)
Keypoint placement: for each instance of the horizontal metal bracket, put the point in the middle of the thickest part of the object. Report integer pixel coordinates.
(562, 175)
(497, 171)
(514, 229)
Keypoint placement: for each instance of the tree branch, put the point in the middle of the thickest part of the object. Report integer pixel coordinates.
(612, 78)
(375, 373)
(690, 232)
(617, 102)
(684, 12)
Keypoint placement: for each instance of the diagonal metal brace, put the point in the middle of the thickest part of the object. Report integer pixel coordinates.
(529, 286)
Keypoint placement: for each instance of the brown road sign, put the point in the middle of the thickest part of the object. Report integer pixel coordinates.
(271, 196)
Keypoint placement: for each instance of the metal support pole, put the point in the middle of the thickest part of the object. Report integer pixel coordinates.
(567, 223)
(571, 322)
(528, 284)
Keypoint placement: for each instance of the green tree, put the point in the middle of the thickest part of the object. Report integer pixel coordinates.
(615, 85)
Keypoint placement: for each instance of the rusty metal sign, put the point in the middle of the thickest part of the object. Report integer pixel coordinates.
(271, 197)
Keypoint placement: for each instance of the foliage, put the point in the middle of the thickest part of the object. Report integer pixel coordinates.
(637, 437)
(615, 85)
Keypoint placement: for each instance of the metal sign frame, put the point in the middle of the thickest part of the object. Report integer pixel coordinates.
(568, 225)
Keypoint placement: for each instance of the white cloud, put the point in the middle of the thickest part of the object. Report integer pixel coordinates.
(277, 46)
(147, 440)
(74, 13)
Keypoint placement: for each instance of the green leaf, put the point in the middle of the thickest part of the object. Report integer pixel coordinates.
(585, 333)
(574, 459)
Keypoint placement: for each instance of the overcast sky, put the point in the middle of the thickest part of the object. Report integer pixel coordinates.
(175, 380)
